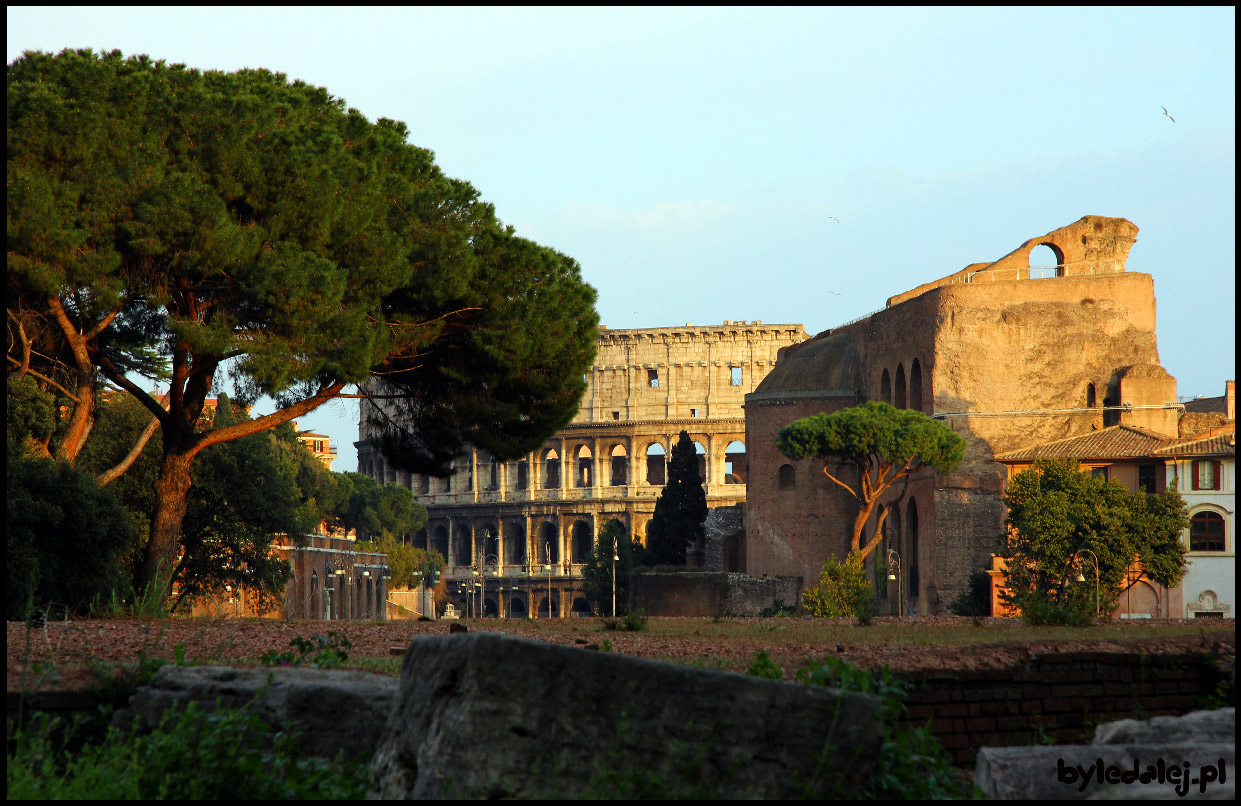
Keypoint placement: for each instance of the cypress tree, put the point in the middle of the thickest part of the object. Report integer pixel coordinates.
(680, 509)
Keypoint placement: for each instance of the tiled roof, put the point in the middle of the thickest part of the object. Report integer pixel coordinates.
(1222, 444)
(1117, 442)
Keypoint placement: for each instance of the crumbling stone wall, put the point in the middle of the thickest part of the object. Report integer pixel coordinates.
(1004, 361)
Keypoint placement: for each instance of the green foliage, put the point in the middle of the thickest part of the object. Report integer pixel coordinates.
(630, 622)
(375, 509)
(912, 764)
(975, 600)
(66, 538)
(883, 443)
(194, 754)
(1060, 520)
(329, 652)
(29, 417)
(763, 666)
(680, 509)
(241, 220)
(778, 609)
(241, 498)
(598, 568)
(843, 590)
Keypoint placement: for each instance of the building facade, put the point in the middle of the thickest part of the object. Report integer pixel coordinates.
(1007, 355)
(515, 534)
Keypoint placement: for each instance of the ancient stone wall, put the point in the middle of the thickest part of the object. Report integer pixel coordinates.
(1004, 362)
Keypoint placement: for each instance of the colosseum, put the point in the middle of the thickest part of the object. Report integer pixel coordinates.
(516, 533)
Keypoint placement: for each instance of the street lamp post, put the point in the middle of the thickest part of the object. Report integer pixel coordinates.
(894, 562)
(614, 559)
(549, 579)
(1094, 559)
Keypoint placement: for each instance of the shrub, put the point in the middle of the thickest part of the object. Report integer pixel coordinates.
(66, 540)
(843, 590)
(1040, 610)
(912, 764)
(196, 754)
(975, 600)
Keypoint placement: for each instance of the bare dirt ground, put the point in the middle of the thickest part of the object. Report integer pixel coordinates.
(74, 654)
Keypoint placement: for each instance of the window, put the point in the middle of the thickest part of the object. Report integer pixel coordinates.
(1099, 472)
(1146, 479)
(652, 378)
(693, 412)
(523, 475)
(1206, 475)
(788, 477)
(616, 415)
(736, 376)
(1206, 532)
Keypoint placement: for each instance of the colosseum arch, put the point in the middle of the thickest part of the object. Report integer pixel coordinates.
(548, 547)
(619, 466)
(584, 467)
(581, 542)
(514, 542)
(898, 394)
(701, 453)
(734, 463)
(551, 469)
(656, 465)
(885, 387)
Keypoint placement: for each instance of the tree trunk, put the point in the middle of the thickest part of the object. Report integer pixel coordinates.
(172, 488)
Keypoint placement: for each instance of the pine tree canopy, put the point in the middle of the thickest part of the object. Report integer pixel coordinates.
(680, 509)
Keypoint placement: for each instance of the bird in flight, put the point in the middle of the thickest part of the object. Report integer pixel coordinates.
(837, 293)
(1165, 111)
(834, 218)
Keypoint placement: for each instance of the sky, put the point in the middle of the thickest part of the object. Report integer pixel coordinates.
(709, 164)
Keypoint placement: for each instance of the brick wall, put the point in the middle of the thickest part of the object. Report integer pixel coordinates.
(1055, 698)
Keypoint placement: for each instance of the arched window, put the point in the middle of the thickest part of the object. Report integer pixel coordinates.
(620, 466)
(548, 548)
(656, 464)
(1206, 531)
(581, 543)
(551, 471)
(898, 396)
(514, 542)
(787, 477)
(915, 386)
(885, 387)
(734, 463)
(1045, 261)
(523, 474)
(1090, 398)
(439, 542)
(701, 453)
(585, 467)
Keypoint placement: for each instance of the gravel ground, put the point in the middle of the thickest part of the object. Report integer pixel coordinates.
(71, 654)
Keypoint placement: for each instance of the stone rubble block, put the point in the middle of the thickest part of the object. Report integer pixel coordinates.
(336, 709)
(1139, 760)
(486, 715)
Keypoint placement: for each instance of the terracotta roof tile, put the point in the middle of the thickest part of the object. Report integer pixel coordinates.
(1117, 442)
(1221, 444)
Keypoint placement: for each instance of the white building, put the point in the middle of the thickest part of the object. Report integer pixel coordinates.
(1204, 471)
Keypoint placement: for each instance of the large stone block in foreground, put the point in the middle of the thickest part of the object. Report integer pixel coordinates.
(486, 715)
(336, 709)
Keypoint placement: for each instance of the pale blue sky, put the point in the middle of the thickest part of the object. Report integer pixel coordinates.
(691, 159)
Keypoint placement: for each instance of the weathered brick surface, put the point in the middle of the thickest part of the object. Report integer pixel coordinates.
(1059, 697)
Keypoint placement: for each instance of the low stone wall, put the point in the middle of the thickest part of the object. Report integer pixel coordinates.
(707, 594)
(1057, 698)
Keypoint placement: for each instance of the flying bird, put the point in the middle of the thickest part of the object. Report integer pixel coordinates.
(1165, 111)
(834, 218)
(837, 293)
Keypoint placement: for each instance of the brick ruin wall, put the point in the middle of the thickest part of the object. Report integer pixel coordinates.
(991, 350)
(1059, 697)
